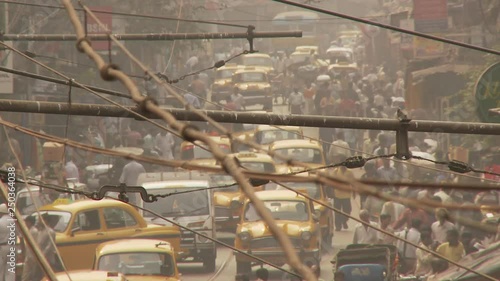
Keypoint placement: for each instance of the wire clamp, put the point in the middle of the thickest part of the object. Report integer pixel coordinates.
(250, 37)
(402, 147)
(123, 189)
(79, 44)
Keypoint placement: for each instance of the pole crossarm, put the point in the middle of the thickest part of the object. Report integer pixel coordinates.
(257, 118)
(151, 36)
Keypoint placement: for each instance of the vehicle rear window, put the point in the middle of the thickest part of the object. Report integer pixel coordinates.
(141, 263)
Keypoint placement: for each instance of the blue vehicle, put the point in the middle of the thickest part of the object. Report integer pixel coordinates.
(367, 262)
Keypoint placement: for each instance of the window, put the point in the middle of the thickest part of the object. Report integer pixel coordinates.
(280, 210)
(118, 218)
(87, 221)
(138, 264)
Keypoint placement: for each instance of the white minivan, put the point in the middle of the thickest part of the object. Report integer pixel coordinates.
(190, 205)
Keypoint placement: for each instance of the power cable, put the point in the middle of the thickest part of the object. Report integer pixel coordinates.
(49, 272)
(188, 132)
(390, 27)
(175, 41)
(387, 233)
(458, 166)
(129, 14)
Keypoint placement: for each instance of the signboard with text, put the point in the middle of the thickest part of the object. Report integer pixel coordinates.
(94, 28)
(425, 48)
(431, 16)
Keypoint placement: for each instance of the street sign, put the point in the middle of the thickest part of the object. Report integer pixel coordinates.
(94, 28)
(487, 94)
(431, 16)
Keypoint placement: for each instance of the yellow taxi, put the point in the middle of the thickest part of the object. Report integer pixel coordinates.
(294, 214)
(88, 275)
(309, 152)
(197, 155)
(138, 259)
(82, 225)
(259, 60)
(229, 200)
(222, 86)
(254, 85)
(318, 192)
(307, 49)
(264, 135)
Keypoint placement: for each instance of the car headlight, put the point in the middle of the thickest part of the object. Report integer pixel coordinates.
(306, 235)
(245, 236)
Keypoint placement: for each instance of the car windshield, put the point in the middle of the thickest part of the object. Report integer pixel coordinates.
(193, 203)
(224, 74)
(267, 137)
(190, 152)
(257, 61)
(27, 202)
(262, 167)
(280, 210)
(313, 189)
(138, 264)
(60, 219)
(306, 155)
(300, 57)
(340, 56)
(250, 77)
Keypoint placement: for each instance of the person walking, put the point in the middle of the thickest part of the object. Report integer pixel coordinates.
(341, 197)
(192, 100)
(129, 177)
(382, 238)
(296, 102)
(424, 259)
(309, 93)
(453, 249)
(408, 251)
(165, 142)
(363, 234)
(237, 99)
(441, 227)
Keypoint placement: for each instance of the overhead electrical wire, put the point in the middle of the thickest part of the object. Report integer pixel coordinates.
(129, 14)
(188, 132)
(390, 27)
(35, 203)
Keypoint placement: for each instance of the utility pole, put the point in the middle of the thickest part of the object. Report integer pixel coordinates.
(152, 36)
(402, 126)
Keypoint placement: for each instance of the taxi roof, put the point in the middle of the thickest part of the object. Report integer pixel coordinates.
(230, 66)
(253, 157)
(304, 48)
(279, 195)
(277, 128)
(259, 55)
(89, 275)
(295, 143)
(133, 245)
(175, 184)
(83, 204)
(339, 49)
(248, 69)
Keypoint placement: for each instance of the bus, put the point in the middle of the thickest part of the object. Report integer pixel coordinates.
(304, 21)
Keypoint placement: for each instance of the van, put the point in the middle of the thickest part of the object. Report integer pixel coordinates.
(190, 205)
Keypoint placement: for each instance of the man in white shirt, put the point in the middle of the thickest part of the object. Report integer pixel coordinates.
(385, 221)
(165, 142)
(408, 252)
(364, 234)
(445, 198)
(129, 177)
(441, 226)
(424, 258)
(71, 168)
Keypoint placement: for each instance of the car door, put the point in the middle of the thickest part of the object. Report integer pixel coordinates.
(120, 223)
(78, 247)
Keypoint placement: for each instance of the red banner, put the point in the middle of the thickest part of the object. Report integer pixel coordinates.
(94, 28)
(431, 16)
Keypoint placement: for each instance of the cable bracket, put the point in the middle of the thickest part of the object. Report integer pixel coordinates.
(123, 189)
